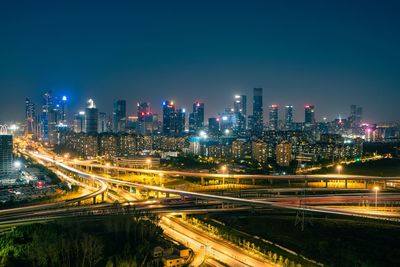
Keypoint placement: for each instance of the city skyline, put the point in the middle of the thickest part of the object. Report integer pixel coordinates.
(203, 52)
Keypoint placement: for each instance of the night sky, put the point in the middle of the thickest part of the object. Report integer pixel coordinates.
(328, 53)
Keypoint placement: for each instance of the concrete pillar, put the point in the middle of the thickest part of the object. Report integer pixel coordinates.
(94, 200)
(202, 180)
(254, 181)
(345, 183)
(384, 184)
(366, 184)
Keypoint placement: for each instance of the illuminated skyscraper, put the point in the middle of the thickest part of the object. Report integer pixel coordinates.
(63, 110)
(213, 126)
(147, 121)
(29, 116)
(196, 118)
(240, 110)
(273, 117)
(309, 115)
(91, 117)
(180, 120)
(169, 117)
(119, 116)
(44, 118)
(288, 117)
(6, 149)
(79, 122)
(257, 118)
(355, 116)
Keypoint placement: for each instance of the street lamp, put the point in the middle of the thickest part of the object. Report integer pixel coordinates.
(224, 170)
(148, 161)
(376, 189)
(107, 166)
(339, 168)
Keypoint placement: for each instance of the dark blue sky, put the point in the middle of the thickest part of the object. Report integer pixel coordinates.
(329, 53)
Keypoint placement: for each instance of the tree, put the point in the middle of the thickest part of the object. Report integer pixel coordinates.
(92, 249)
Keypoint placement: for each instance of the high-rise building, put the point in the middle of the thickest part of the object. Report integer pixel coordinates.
(63, 110)
(257, 118)
(146, 119)
(79, 122)
(355, 116)
(44, 118)
(180, 120)
(196, 118)
(119, 116)
(91, 117)
(103, 122)
(169, 117)
(29, 116)
(6, 149)
(289, 117)
(284, 154)
(259, 151)
(359, 115)
(273, 117)
(240, 109)
(309, 115)
(213, 126)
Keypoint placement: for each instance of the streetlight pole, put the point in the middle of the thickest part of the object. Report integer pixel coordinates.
(376, 189)
(224, 170)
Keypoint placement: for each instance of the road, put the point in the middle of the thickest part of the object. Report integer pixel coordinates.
(212, 247)
(303, 177)
(223, 199)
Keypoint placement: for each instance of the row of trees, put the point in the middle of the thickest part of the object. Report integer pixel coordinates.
(111, 242)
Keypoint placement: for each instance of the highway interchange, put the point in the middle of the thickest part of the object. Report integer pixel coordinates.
(182, 201)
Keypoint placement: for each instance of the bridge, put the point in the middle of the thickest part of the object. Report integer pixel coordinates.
(237, 177)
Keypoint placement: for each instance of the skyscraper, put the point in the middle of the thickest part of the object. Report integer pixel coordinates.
(288, 117)
(79, 122)
(257, 118)
(103, 122)
(44, 118)
(146, 119)
(6, 149)
(180, 120)
(196, 118)
(91, 117)
(309, 115)
(273, 117)
(29, 116)
(355, 116)
(119, 116)
(169, 117)
(213, 126)
(63, 110)
(240, 110)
